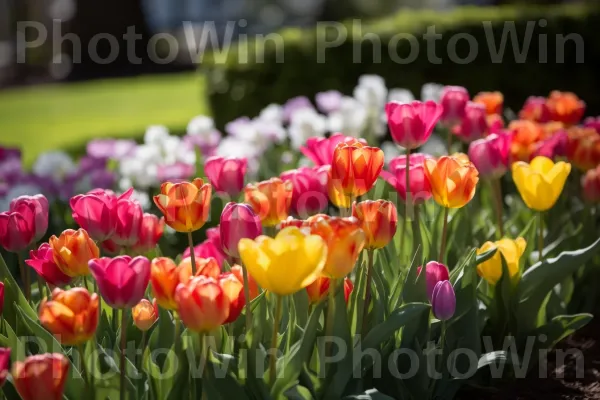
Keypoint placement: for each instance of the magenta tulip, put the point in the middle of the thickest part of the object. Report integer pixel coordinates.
(474, 124)
(40, 204)
(434, 273)
(42, 261)
(553, 146)
(419, 185)
(238, 221)
(122, 280)
(17, 227)
(411, 124)
(151, 230)
(96, 212)
(4, 361)
(129, 221)
(309, 193)
(491, 154)
(443, 300)
(320, 150)
(226, 175)
(453, 99)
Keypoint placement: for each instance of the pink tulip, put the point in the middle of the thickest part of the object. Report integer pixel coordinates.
(122, 280)
(238, 221)
(454, 99)
(411, 124)
(552, 147)
(434, 272)
(491, 154)
(320, 150)
(41, 212)
(4, 361)
(42, 261)
(211, 247)
(17, 227)
(419, 185)
(226, 175)
(309, 195)
(129, 220)
(96, 212)
(151, 230)
(474, 124)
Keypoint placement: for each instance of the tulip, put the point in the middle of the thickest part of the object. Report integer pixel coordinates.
(234, 291)
(4, 361)
(204, 266)
(17, 227)
(42, 261)
(378, 220)
(269, 259)
(344, 239)
(309, 189)
(1, 297)
(453, 181)
(320, 150)
(72, 251)
(129, 221)
(540, 182)
(535, 109)
(474, 124)
(419, 186)
(590, 183)
(355, 168)
(318, 290)
(291, 221)
(226, 175)
(453, 100)
(492, 101)
(565, 107)
(41, 377)
(237, 221)
(411, 124)
(122, 280)
(71, 315)
(434, 273)
(443, 301)
(96, 212)
(253, 289)
(40, 204)
(185, 205)
(491, 155)
(165, 275)
(583, 148)
(150, 232)
(202, 304)
(592, 122)
(145, 314)
(552, 147)
(511, 250)
(270, 199)
(526, 135)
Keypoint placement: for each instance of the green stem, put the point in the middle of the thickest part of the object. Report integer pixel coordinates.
(85, 375)
(85, 282)
(192, 254)
(176, 328)
(416, 228)
(204, 354)
(41, 287)
(370, 253)
(122, 360)
(142, 347)
(541, 235)
(440, 361)
(24, 277)
(330, 312)
(498, 197)
(444, 234)
(247, 297)
(273, 359)
(407, 202)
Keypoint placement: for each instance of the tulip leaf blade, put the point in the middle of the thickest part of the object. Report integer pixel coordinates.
(562, 326)
(483, 257)
(13, 295)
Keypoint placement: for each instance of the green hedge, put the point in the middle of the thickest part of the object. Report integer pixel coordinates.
(238, 88)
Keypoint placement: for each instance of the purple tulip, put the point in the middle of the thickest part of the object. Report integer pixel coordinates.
(238, 221)
(443, 301)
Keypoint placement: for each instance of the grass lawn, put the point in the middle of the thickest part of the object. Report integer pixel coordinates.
(66, 116)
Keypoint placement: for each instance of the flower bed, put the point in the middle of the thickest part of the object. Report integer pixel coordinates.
(305, 263)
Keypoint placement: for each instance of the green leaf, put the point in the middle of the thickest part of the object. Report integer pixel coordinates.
(560, 327)
(483, 257)
(13, 296)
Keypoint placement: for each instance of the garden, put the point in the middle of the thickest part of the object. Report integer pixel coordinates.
(357, 235)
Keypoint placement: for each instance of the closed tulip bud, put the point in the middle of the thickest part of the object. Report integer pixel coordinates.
(150, 232)
(535, 109)
(453, 180)
(318, 290)
(411, 124)
(590, 183)
(96, 212)
(17, 227)
(42, 261)
(1, 297)
(309, 190)
(72, 251)
(474, 124)
(270, 199)
(491, 155)
(344, 239)
(541, 182)
(41, 377)
(453, 100)
(378, 219)
(492, 101)
(40, 204)
(4, 361)
(204, 267)
(185, 205)
(419, 186)
(145, 314)
(443, 301)
(565, 107)
(202, 304)
(122, 281)
(268, 260)
(355, 168)
(71, 315)
(129, 221)
(234, 291)
(238, 272)
(238, 221)
(165, 275)
(511, 250)
(320, 150)
(226, 175)
(434, 273)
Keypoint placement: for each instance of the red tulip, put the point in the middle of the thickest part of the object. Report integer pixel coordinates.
(17, 227)
(419, 186)
(41, 377)
(453, 100)
(4, 361)
(238, 221)
(96, 212)
(238, 272)
(590, 184)
(202, 304)
(320, 150)
(411, 124)
(434, 272)
(40, 204)
(490, 155)
(226, 175)
(565, 107)
(129, 220)
(234, 291)
(42, 261)
(122, 280)
(535, 109)
(309, 190)
(151, 230)
(474, 124)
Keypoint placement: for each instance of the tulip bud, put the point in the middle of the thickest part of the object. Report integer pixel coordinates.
(492, 101)
(96, 212)
(309, 195)
(411, 124)
(453, 100)
(443, 301)
(145, 314)
(42, 261)
(41, 377)
(129, 221)
(151, 230)
(453, 180)
(226, 175)
(270, 199)
(72, 251)
(238, 221)
(204, 267)
(202, 304)
(122, 280)
(320, 150)
(591, 185)
(17, 227)
(185, 205)
(40, 204)
(378, 220)
(434, 272)
(491, 155)
(234, 291)
(71, 315)
(4, 361)
(318, 290)
(474, 124)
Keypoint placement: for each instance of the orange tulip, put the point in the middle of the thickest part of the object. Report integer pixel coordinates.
(565, 107)
(72, 251)
(204, 266)
(165, 275)
(202, 304)
(492, 101)
(355, 168)
(234, 291)
(583, 148)
(453, 181)
(345, 240)
(185, 205)
(41, 377)
(237, 271)
(270, 199)
(378, 219)
(318, 290)
(145, 314)
(71, 315)
(526, 135)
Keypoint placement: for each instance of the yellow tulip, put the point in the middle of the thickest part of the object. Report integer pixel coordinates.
(512, 250)
(287, 263)
(540, 182)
